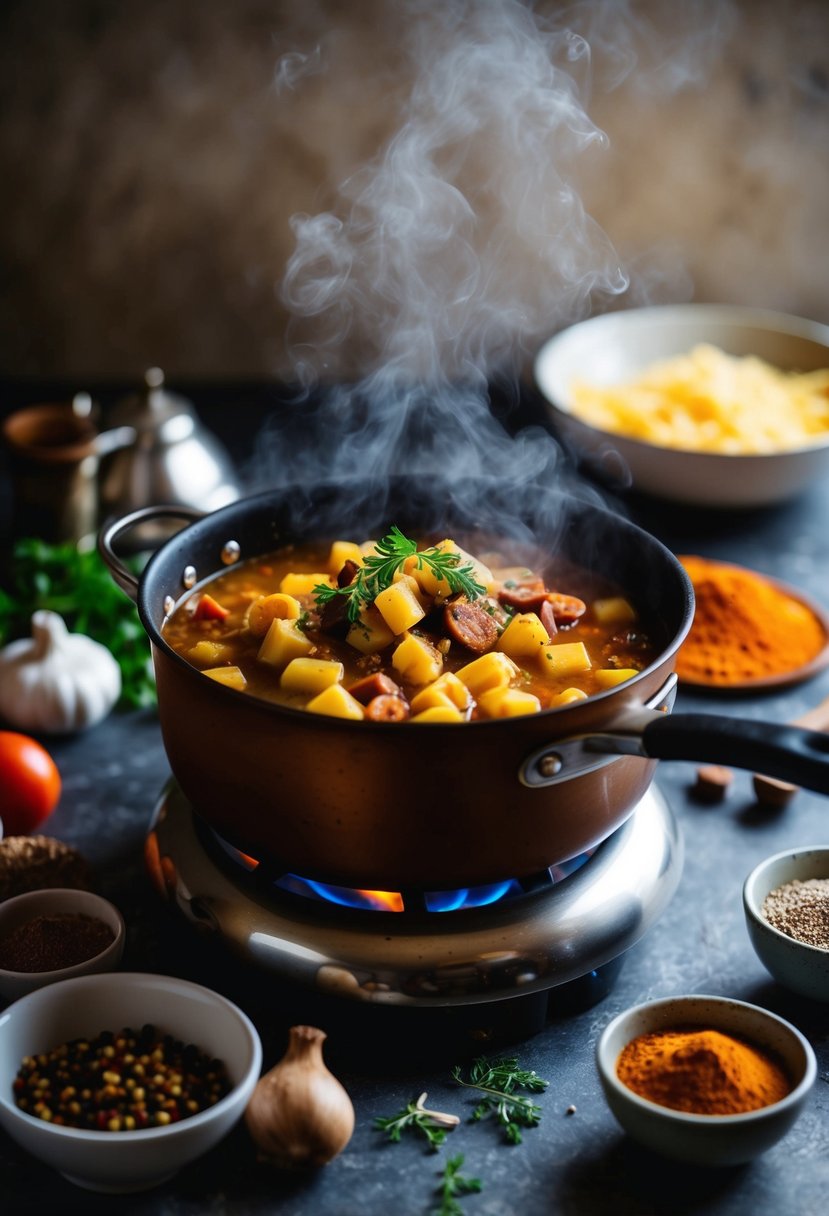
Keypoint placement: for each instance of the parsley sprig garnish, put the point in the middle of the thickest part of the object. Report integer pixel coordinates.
(433, 1124)
(496, 1081)
(452, 1184)
(379, 568)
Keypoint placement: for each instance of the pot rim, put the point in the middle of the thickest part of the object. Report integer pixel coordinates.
(555, 713)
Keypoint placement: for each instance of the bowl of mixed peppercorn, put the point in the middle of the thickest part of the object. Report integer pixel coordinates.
(56, 934)
(119, 1080)
(786, 904)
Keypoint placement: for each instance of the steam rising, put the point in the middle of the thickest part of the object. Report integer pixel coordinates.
(449, 257)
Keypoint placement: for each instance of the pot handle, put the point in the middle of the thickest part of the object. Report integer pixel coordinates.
(114, 528)
(786, 752)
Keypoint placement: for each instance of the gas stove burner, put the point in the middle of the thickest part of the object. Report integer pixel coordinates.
(251, 873)
(513, 947)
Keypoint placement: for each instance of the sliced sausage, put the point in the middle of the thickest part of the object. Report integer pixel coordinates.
(334, 616)
(375, 685)
(346, 575)
(387, 709)
(566, 608)
(470, 624)
(548, 618)
(527, 596)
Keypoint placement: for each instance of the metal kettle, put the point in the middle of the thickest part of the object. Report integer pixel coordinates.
(172, 459)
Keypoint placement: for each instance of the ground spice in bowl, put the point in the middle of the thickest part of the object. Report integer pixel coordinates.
(748, 629)
(800, 909)
(50, 942)
(701, 1071)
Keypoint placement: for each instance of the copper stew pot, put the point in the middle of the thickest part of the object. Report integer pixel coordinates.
(437, 806)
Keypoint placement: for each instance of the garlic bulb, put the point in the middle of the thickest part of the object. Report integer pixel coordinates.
(56, 682)
(299, 1114)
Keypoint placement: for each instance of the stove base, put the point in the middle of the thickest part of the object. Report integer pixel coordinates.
(556, 945)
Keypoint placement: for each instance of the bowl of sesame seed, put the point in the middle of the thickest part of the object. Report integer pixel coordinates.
(117, 1080)
(786, 904)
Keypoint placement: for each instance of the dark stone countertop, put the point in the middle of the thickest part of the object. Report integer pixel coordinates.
(571, 1163)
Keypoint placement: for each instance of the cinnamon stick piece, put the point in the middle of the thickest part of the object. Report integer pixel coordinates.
(776, 793)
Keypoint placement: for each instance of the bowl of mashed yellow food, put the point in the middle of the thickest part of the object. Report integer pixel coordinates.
(707, 404)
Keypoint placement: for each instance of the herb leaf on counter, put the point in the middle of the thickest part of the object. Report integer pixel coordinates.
(433, 1124)
(496, 1081)
(453, 1183)
(78, 586)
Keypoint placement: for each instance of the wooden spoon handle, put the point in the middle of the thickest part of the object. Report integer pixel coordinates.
(778, 793)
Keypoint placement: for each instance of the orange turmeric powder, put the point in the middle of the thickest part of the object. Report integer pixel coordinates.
(701, 1071)
(745, 627)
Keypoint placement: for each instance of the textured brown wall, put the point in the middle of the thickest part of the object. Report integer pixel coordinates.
(151, 166)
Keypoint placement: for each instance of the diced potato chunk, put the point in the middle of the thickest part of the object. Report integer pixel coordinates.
(206, 652)
(567, 697)
(311, 675)
(232, 677)
(417, 660)
(369, 633)
(304, 584)
(439, 713)
(368, 548)
(508, 703)
(614, 611)
(283, 641)
(492, 670)
(524, 636)
(609, 677)
(343, 551)
(446, 690)
(564, 659)
(267, 608)
(399, 606)
(336, 701)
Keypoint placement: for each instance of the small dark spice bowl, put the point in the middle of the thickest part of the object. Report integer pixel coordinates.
(56, 934)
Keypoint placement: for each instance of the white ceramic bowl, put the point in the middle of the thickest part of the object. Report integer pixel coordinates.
(22, 908)
(706, 1139)
(126, 1161)
(802, 968)
(615, 347)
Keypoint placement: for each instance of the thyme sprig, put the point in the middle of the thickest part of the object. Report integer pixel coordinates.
(496, 1081)
(452, 1184)
(433, 1124)
(379, 568)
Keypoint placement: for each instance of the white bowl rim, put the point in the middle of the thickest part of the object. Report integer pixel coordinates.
(77, 969)
(146, 1134)
(688, 1117)
(753, 910)
(734, 314)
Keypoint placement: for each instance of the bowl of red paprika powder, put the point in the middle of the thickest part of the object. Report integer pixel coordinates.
(705, 1079)
(55, 934)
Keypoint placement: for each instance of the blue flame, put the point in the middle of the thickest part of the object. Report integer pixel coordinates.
(470, 897)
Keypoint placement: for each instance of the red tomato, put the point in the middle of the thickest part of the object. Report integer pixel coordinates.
(29, 783)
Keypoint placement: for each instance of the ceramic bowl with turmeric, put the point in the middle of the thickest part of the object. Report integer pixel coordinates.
(713, 405)
(705, 1079)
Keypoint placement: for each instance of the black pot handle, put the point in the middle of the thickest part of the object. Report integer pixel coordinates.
(113, 528)
(788, 753)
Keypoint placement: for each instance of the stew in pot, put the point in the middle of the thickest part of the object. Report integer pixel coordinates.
(396, 630)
